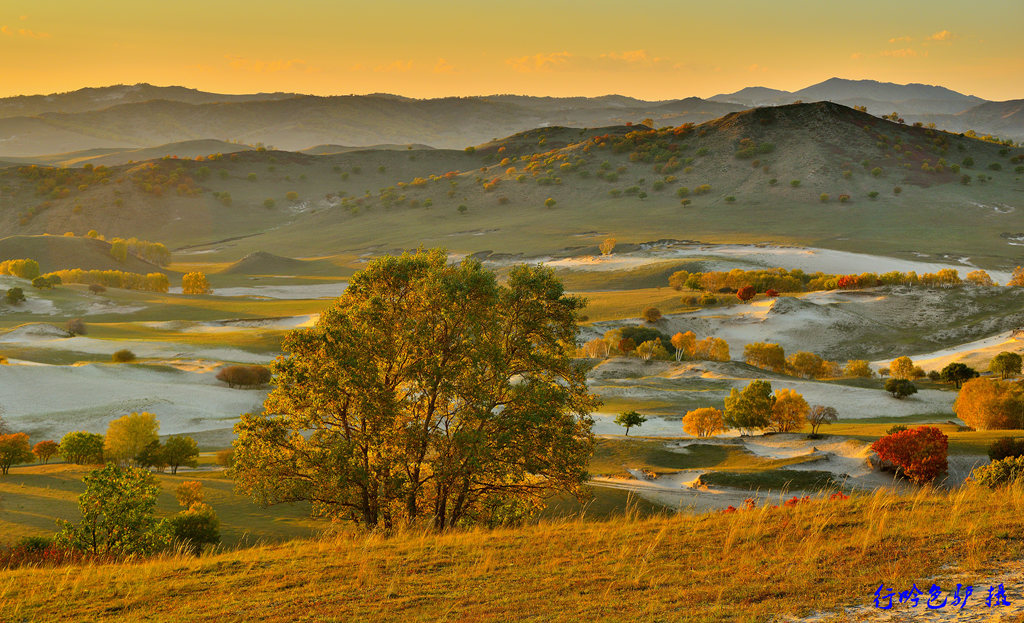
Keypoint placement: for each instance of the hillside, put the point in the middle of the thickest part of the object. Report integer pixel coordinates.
(262, 263)
(114, 157)
(817, 174)
(822, 556)
(61, 252)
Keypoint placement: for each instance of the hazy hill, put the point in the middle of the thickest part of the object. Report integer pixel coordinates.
(263, 263)
(879, 97)
(111, 156)
(60, 252)
(98, 98)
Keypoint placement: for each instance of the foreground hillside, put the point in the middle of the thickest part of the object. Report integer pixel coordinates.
(820, 556)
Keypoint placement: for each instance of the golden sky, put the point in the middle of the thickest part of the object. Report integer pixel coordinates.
(651, 49)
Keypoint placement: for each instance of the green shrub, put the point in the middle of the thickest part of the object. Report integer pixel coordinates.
(123, 356)
(1005, 448)
(999, 473)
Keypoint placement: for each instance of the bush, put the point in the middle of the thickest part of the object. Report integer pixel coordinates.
(195, 527)
(895, 429)
(76, 326)
(226, 457)
(986, 404)
(652, 314)
(97, 288)
(15, 296)
(244, 376)
(123, 356)
(1001, 472)
(1005, 448)
(919, 453)
(900, 388)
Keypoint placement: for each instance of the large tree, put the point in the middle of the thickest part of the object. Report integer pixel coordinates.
(427, 391)
(1005, 364)
(82, 447)
(750, 409)
(14, 449)
(127, 436)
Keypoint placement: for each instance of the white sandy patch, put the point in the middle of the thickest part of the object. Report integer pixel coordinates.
(33, 332)
(52, 400)
(970, 353)
(141, 349)
(316, 291)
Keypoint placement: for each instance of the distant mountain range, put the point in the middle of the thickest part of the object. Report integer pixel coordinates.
(144, 116)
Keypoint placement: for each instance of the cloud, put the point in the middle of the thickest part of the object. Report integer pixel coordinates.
(540, 62)
(942, 35)
(899, 39)
(258, 66)
(396, 66)
(629, 60)
(443, 67)
(23, 32)
(901, 53)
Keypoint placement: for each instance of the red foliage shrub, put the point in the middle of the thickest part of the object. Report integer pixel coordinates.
(746, 293)
(920, 453)
(772, 292)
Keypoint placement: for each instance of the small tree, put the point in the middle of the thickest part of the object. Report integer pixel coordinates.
(1005, 364)
(127, 436)
(746, 293)
(152, 456)
(900, 388)
(607, 246)
(76, 326)
(980, 278)
(901, 368)
(82, 448)
(765, 355)
(919, 453)
(819, 415)
(118, 515)
(858, 368)
(703, 422)
(195, 527)
(652, 314)
(549, 202)
(14, 449)
(123, 356)
(181, 450)
(958, 373)
(15, 296)
(96, 288)
(750, 409)
(195, 283)
(188, 493)
(685, 344)
(630, 419)
(790, 411)
(44, 450)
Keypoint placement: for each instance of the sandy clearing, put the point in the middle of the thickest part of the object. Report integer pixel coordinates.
(289, 292)
(971, 352)
(49, 401)
(283, 323)
(142, 349)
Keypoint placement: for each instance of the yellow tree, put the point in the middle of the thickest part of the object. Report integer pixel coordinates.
(712, 349)
(807, 365)
(607, 246)
(128, 435)
(685, 344)
(1017, 279)
(980, 278)
(703, 422)
(789, 412)
(765, 355)
(988, 404)
(902, 368)
(858, 368)
(195, 283)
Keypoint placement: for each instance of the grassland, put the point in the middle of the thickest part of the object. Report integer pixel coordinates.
(750, 566)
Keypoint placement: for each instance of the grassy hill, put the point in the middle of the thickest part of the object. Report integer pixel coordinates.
(262, 263)
(821, 556)
(60, 252)
(819, 174)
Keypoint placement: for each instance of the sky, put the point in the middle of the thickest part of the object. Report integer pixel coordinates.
(650, 49)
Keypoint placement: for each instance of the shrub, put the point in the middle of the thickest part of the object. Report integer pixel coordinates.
(15, 296)
(195, 283)
(989, 404)
(123, 356)
(96, 288)
(244, 376)
(652, 314)
(900, 388)
(1006, 447)
(76, 326)
(195, 527)
(919, 453)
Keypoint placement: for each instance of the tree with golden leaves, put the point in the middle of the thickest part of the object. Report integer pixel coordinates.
(902, 368)
(685, 344)
(607, 246)
(987, 404)
(979, 278)
(427, 392)
(195, 283)
(704, 422)
(790, 411)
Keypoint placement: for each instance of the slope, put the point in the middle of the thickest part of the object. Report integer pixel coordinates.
(61, 252)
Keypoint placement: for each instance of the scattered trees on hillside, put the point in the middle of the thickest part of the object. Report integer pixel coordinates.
(986, 404)
(1005, 364)
(82, 448)
(918, 453)
(197, 525)
(150, 282)
(180, 450)
(14, 449)
(703, 422)
(195, 283)
(630, 419)
(457, 345)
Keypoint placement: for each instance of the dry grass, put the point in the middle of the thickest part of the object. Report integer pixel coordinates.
(747, 566)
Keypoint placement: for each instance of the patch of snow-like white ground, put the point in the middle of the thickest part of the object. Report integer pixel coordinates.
(49, 401)
(225, 326)
(808, 259)
(295, 292)
(936, 360)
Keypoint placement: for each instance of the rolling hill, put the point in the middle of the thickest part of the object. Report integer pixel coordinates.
(820, 174)
(61, 252)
